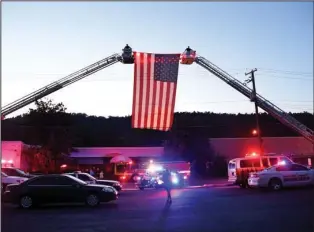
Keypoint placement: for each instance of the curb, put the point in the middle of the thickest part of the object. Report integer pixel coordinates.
(209, 185)
(191, 186)
(218, 185)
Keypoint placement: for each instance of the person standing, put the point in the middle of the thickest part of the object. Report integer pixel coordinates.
(166, 178)
(91, 172)
(101, 175)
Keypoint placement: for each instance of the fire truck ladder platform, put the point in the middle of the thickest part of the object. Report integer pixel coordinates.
(264, 104)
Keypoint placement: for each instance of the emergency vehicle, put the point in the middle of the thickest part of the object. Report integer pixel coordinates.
(7, 163)
(182, 167)
(282, 175)
(6, 180)
(240, 168)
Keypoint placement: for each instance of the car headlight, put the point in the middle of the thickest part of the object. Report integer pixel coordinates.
(175, 180)
(159, 181)
(108, 189)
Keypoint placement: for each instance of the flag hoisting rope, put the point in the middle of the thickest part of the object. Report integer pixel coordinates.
(154, 91)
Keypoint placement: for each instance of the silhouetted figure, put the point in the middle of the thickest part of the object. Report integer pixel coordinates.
(166, 178)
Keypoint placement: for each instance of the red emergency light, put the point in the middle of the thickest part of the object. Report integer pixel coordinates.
(252, 154)
(7, 163)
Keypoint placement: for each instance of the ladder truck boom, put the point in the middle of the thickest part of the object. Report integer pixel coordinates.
(263, 103)
(70, 79)
(126, 58)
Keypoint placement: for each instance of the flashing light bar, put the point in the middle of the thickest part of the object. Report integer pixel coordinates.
(187, 171)
(283, 162)
(253, 154)
(154, 168)
(6, 161)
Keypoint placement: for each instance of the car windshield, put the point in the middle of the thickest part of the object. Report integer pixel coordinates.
(20, 171)
(90, 176)
(3, 174)
(270, 168)
(76, 179)
(16, 170)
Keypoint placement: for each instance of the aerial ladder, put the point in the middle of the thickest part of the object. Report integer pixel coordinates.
(126, 58)
(189, 56)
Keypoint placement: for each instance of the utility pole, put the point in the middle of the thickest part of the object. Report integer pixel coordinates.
(253, 99)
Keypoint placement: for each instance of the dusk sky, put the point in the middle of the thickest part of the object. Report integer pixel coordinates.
(45, 41)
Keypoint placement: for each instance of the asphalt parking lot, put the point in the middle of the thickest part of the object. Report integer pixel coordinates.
(216, 209)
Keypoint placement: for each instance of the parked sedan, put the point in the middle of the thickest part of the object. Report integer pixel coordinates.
(92, 180)
(56, 188)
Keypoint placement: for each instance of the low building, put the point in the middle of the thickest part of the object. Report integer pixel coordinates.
(227, 147)
(11, 153)
(99, 155)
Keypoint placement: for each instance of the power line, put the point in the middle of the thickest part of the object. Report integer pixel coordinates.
(287, 72)
(236, 101)
(285, 77)
(122, 79)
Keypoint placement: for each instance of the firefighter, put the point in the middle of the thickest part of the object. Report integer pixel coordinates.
(127, 50)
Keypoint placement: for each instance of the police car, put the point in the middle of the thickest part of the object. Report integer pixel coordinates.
(6, 180)
(282, 175)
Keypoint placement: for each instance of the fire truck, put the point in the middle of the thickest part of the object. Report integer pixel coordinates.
(181, 167)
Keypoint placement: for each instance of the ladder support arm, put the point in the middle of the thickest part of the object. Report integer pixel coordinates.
(263, 103)
(57, 85)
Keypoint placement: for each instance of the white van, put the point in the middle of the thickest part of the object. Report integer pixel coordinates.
(249, 164)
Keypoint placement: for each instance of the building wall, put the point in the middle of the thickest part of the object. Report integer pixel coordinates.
(228, 147)
(12, 150)
(237, 147)
(96, 152)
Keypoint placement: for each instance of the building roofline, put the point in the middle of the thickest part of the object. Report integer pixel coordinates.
(291, 137)
(120, 148)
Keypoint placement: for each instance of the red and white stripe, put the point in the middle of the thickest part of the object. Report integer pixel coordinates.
(153, 101)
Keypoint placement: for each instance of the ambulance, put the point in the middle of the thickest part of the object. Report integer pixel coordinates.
(240, 168)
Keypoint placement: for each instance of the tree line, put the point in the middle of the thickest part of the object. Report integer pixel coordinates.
(56, 132)
(93, 131)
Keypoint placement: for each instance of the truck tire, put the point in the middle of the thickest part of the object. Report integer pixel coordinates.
(275, 184)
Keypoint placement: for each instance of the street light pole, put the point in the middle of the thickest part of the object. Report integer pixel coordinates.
(253, 99)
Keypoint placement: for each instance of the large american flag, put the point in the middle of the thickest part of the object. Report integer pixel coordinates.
(154, 93)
